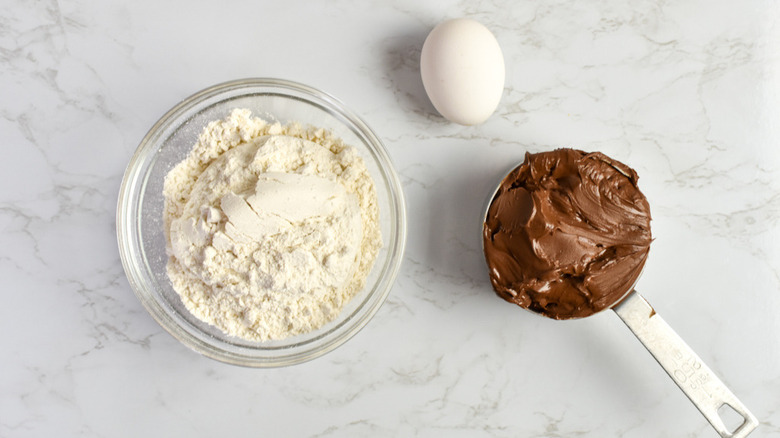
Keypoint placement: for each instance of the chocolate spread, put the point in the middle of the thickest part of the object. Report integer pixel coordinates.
(567, 233)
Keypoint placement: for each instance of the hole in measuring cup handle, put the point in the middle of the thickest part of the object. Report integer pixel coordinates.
(732, 419)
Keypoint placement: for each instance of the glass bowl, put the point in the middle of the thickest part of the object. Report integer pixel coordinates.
(140, 216)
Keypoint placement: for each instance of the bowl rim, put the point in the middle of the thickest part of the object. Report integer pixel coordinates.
(127, 204)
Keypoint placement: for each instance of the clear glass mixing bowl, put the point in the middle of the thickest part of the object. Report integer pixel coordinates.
(140, 210)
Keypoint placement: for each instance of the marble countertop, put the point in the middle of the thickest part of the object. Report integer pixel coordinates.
(687, 93)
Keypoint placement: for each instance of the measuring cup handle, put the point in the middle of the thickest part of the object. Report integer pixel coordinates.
(687, 370)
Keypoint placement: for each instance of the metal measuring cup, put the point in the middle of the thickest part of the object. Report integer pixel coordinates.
(707, 392)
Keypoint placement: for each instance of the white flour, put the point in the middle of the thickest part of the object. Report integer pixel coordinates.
(271, 229)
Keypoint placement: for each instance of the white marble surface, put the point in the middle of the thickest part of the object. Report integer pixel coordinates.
(686, 92)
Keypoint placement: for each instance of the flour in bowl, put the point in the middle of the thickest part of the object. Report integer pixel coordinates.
(270, 229)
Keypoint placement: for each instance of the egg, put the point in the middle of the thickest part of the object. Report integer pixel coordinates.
(462, 70)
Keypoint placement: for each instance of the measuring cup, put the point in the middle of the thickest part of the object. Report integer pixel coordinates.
(707, 392)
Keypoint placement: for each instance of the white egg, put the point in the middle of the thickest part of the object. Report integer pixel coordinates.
(462, 70)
